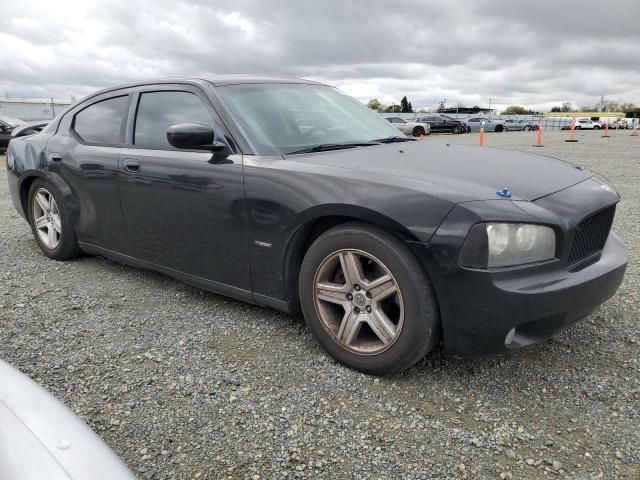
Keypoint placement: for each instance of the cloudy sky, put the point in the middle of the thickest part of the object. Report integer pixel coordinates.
(533, 53)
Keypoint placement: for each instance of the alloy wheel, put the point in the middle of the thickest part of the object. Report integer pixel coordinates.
(46, 218)
(358, 301)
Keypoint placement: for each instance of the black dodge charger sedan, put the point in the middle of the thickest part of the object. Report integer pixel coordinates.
(290, 194)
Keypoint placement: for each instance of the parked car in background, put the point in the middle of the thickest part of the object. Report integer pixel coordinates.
(7, 124)
(518, 125)
(587, 124)
(442, 124)
(468, 129)
(29, 128)
(375, 237)
(489, 124)
(43, 439)
(409, 127)
(619, 125)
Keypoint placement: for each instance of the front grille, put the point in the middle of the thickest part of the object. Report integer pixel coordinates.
(591, 235)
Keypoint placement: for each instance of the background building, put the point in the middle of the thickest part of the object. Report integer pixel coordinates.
(31, 110)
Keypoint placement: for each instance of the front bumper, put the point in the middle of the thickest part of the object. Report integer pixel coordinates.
(479, 308)
(537, 306)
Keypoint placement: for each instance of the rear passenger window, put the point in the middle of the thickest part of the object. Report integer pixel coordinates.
(102, 121)
(157, 111)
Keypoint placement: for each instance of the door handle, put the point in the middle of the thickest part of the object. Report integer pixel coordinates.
(55, 157)
(131, 166)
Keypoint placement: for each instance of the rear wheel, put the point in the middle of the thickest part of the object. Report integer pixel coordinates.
(457, 129)
(527, 128)
(596, 127)
(366, 300)
(499, 128)
(51, 227)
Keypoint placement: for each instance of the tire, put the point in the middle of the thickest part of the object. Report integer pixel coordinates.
(457, 130)
(578, 127)
(62, 244)
(596, 127)
(527, 128)
(499, 128)
(417, 131)
(412, 307)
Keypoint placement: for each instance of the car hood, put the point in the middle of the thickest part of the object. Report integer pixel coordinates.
(468, 173)
(41, 438)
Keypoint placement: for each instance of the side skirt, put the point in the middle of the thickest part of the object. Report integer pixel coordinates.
(199, 282)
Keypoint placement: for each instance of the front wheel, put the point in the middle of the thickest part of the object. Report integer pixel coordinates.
(527, 128)
(596, 127)
(458, 129)
(417, 131)
(50, 224)
(499, 128)
(367, 301)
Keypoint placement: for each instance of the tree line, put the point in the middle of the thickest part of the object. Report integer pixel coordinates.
(404, 107)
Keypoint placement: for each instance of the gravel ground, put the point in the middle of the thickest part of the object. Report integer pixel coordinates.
(186, 384)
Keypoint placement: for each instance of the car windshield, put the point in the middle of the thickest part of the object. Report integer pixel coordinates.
(285, 118)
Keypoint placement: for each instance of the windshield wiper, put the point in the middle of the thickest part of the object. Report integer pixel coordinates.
(393, 139)
(324, 147)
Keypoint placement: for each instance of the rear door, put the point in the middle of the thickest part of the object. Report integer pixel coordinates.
(185, 209)
(84, 152)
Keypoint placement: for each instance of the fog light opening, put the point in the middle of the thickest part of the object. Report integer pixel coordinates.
(509, 338)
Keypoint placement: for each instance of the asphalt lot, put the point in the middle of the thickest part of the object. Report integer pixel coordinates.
(186, 384)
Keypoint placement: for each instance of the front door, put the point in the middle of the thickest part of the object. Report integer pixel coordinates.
(183, 209)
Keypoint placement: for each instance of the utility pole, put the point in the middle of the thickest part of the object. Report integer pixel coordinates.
(490, 100)
(53, 109)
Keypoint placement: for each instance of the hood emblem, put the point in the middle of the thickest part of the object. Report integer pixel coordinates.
(504, 193)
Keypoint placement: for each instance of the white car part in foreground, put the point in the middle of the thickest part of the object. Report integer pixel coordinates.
(40, 438)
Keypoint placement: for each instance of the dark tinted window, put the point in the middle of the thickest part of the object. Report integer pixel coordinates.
(157, 111)
(102, 121)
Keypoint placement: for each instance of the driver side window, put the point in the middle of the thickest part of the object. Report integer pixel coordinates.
(157, 111)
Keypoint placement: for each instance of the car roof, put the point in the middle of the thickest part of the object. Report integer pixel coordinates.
(240, 78)
(217, 80)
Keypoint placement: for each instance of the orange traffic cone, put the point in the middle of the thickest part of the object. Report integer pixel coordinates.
(573, 132)
(539, 139)
(481, 138)
(421, 136)
(606, 130)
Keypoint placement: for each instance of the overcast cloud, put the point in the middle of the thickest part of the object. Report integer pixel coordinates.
(533, 53)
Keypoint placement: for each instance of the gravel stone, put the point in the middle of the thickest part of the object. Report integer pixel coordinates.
(186, 384)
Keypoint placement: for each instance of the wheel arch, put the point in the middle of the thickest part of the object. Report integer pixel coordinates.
(26, 180)
(29, 176)
(318, 221)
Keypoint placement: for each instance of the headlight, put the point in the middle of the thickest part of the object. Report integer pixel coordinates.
(490, 245)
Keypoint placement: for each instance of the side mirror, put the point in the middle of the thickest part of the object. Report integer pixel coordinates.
(194, 136)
